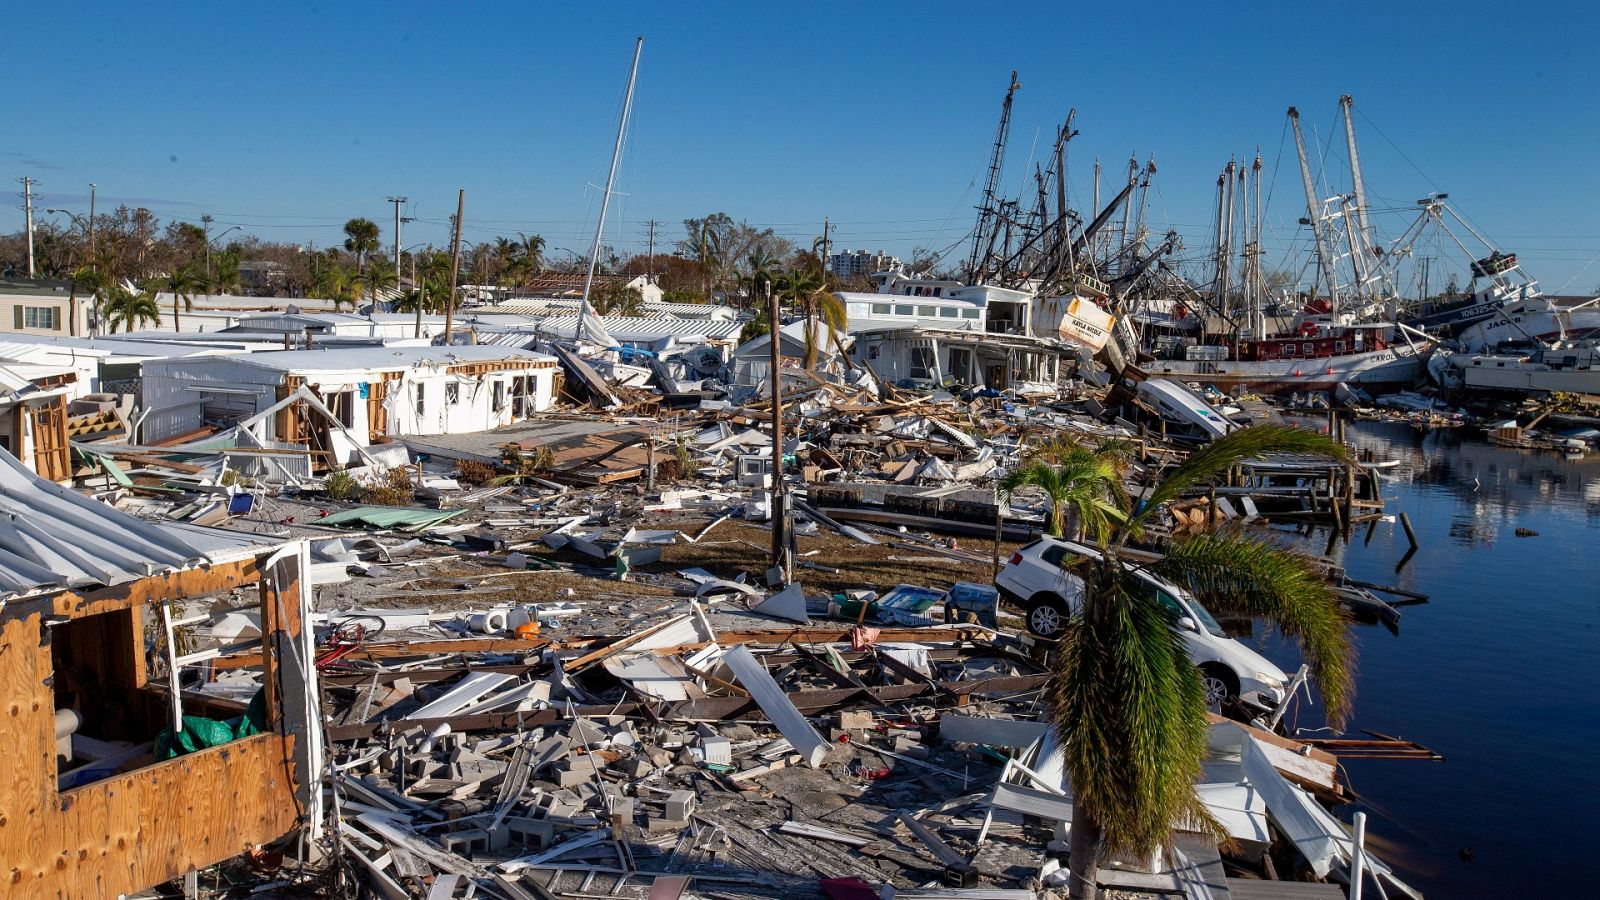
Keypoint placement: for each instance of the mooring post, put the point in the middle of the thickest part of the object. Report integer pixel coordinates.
(1411, 535)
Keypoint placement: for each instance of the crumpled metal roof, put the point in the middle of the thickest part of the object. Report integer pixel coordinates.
(54, 538)
(645, 328)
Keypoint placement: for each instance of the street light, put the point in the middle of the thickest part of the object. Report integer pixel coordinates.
(211, 241)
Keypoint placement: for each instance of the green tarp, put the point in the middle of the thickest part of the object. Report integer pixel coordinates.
(404, 518)
(200, 732)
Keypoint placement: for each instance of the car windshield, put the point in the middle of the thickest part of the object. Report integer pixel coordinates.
(1189, 607)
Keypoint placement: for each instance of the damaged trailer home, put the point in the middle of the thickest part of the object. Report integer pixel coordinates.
(122, 777)
(369, 393)
(933, 357)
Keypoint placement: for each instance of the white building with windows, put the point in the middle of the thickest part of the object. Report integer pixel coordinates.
(850, 263)
(44, 310)
(372, 392)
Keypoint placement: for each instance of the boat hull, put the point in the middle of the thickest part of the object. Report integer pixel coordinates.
(1480, 372)
(1375, 371)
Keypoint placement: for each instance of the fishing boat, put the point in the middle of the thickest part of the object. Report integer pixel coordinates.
(1556, 369)
(1319, 357)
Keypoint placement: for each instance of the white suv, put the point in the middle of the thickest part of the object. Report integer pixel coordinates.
(1037, 580)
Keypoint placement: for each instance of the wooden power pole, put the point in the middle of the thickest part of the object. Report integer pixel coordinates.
(455, 267)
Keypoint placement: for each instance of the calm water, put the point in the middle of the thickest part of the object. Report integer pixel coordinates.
(1500, 672)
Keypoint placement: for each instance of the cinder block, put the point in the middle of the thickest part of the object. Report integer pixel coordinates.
(665, 826)
(856, 721)
(535, 833)
(680, 806)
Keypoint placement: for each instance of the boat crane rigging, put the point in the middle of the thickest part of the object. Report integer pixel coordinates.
(990, 214)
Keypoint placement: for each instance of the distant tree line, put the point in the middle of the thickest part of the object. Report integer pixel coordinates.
(134, 256)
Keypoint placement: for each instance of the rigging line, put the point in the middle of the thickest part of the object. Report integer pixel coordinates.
(1579, 273)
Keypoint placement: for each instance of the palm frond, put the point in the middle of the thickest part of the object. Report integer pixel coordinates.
(1130, 713)
(1234, 573)
(1083, 483)
(1237, 446)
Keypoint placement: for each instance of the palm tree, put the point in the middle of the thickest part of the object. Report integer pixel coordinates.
(1082, 480)
(129, 308)
(532, 251)
(414, 300)
(224, 273)
(361, 238)
(618, 300)
(807, 288)
(1127, 704)
(376, 280)
(763, 268)
(340, 285)
(708, 248)
(183, 283)
(94, 282)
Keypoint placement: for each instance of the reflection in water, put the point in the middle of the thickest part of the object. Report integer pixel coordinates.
(1497, 672)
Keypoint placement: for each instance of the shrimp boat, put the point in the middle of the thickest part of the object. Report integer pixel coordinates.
(1319, 357)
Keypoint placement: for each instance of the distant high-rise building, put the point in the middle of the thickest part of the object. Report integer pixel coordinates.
(849, 263)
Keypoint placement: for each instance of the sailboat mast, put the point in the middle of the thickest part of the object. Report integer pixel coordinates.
(611, 180)
(1258, 325)
(1314, 213)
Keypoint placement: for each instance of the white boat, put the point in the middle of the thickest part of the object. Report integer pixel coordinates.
(1573, 370)
(1385, 367)
(1528, 316)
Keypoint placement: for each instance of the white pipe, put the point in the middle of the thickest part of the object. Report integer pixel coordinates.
(1358, 856)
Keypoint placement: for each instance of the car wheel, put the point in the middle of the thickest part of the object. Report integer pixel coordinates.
(1222, 686)
(1047, 617)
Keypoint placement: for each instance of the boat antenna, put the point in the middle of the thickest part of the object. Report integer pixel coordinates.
(611, 180)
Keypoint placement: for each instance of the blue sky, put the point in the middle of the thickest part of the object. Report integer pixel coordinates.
(290, 118)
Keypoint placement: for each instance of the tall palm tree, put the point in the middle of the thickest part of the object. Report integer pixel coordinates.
(708, 249)
(763, 269)
(182, 283)
(1084, 481)
(1127, 704)
(129, 309)
(532, 252)
(93, 282)
(361, 238)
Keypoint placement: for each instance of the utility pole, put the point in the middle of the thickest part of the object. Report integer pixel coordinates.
(27, 207)
(780, 520)
(653, 225)
(94, 263)
(823, 260)
(397, 201)
(455, 267)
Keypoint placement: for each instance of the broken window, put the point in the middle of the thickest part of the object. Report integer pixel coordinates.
(452, 393)
(422, 399)
(113, 701)
(499, 395)
(922, 362)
